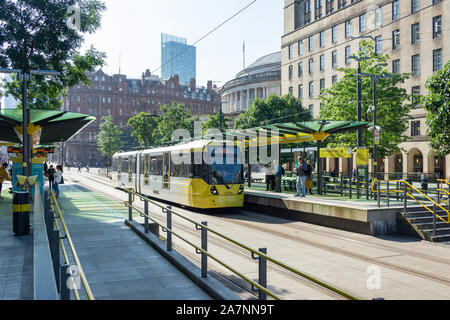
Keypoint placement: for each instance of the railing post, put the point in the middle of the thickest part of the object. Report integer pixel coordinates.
(434, 219)
(262, 274)
(169, 227)
(405, 200)
(387, 192)
(65, 291)
(342, 184)
(397, 193)
(130, 203)
(146, 216)
(54, 250)
(204, 237)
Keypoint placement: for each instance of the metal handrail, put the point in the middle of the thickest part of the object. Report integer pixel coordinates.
(412, 197)
(253, 251)
(86, 286)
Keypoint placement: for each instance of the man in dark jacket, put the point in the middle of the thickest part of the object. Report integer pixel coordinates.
(51, 176)
(302, 169)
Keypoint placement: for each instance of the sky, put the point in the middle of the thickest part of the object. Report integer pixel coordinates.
(132, 30)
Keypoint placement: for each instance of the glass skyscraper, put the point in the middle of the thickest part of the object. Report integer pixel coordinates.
(177, 57)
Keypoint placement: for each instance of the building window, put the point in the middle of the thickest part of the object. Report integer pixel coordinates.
(334, 34)
(311, 65)
(437, 60)
(290, 72)
(300, 91)
(311, 43)
(334, 59)
(396, 66)
(329, 6)
(347, 29)
(415, 64)
(342, 4)
(307, 11)
(362, 23)
(311, 89)
(300, 69)
(395, 39)
(322, 85)
(415, 128)
(415, 33)
(347, 54)
(378, 17)
(311, 109)
(415, 91)
(415, 5)
(291, 90)
(318, 12)
(300, 47)
(395, 10)
(437, 27)
(322, 62)
(291, 51)
(378, 46)
(334, 79)
(322, 39)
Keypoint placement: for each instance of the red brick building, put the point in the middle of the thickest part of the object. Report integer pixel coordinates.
(123, 99)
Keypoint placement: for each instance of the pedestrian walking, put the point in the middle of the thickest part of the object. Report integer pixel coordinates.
(58, 179)
(79, 167)
(301, 173)
(51, 176)
(3, 176)
(308, 182)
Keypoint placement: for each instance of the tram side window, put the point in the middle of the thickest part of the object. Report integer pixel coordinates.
(156, 165)
(133, 164)
(141, 165)
(181, 170)
(125, 166)
(115, 164)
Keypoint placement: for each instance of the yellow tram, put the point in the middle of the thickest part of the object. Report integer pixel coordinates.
(199, 174)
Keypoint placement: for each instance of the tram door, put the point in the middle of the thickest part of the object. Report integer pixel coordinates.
(166, 171)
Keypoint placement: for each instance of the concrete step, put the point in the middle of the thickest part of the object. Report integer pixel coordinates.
(440, 238)
(429, 225)
(439, 232)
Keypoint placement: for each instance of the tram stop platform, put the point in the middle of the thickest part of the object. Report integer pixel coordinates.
(355, 215)
(117, 262)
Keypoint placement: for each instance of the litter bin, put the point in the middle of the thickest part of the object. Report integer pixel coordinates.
(21, 213)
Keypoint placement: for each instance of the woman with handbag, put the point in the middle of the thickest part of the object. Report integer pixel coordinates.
(58, 179)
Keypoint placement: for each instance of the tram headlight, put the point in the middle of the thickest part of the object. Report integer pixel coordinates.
(241, 189)
(214, 191)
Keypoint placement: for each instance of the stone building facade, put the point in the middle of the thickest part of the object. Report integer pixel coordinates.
(321, 35)
(124, 98)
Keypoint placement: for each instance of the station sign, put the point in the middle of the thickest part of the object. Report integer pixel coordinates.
(342, 152)
(362, 156)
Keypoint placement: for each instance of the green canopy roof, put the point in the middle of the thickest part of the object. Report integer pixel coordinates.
(57, 126)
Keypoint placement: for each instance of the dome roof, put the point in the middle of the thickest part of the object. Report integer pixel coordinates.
(265, 63)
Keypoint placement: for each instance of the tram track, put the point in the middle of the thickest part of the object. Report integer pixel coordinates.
(308, 240)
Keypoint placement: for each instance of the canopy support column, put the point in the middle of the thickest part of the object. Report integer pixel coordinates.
(319, 169)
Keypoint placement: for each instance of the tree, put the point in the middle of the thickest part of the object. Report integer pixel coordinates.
(128, 141)
(273, 110)
(144, 129)
(436, 103)
(214, 123)
(339, 103)
(36, 35)
(173, 117)
(109, 138)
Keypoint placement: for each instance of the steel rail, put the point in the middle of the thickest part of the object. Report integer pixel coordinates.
(253, 251)
(86, 286)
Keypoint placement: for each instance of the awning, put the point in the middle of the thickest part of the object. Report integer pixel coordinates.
(55, 126)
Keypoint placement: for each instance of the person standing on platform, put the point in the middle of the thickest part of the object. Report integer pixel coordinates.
(279, 171)
(58, 179)
(301, 173)
(3, 176)
(308, 182)
(51, 176)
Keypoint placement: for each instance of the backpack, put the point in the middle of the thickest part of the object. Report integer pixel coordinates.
(309, 171)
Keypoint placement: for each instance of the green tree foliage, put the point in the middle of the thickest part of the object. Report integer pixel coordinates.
(339, 103)
(214, 123)
(145, 128)
(436, 103)
(109, 138)
(36, 35)
(273, 110)
(173, 117)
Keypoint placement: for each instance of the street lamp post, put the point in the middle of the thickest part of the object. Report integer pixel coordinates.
(375, 79)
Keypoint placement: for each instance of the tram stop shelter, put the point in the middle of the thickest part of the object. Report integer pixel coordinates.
(284, 133)
(45, 126)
